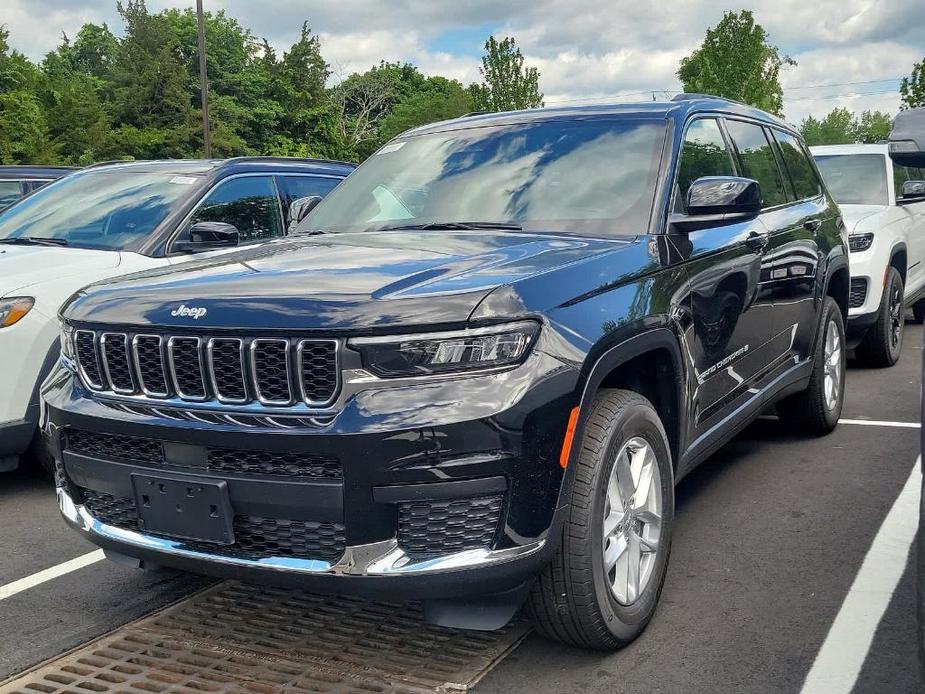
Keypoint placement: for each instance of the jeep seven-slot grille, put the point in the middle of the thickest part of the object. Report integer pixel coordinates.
(225, 460)
(225, 370)
(858, 294)
(255, 537)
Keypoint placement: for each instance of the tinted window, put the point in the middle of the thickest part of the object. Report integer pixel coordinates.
(855, 179)
(295, 187)
(901, 174)
(591, 176)
(758, 161)
(116, 209)
(805, 182)
(249, 203)
(704, 153)
(10, 192)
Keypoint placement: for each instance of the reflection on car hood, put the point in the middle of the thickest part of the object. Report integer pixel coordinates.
(854, 214)
(24, 267)
(332, 281)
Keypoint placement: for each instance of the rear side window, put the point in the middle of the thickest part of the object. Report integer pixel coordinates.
(758, 161)
(295, 187)
(901, 174)
(703, 153)
(805, 182)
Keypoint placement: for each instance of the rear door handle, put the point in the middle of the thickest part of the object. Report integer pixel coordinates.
(756, 241)
(812, 225)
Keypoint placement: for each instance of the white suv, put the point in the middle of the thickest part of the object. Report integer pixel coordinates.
(115, 219)
(883, 206)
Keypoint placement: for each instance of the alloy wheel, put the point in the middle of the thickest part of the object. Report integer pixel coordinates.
(632, 520)
(897, 319)
(832, 357)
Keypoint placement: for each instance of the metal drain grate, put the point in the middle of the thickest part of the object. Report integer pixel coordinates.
(243, 639)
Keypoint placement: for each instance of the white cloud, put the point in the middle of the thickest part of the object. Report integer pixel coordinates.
(585, 49)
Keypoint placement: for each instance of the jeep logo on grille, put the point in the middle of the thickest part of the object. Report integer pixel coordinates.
(184, 311)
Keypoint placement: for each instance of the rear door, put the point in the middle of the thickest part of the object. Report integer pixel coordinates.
(913, 221)
(790, 261)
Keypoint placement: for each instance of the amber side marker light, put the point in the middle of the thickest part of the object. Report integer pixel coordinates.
(13, 309)
(569, 435)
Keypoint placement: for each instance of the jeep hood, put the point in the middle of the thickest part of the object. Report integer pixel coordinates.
(335, 281)
(853, 215)
(24, 268)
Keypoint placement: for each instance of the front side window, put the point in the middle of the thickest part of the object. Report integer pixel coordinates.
(580, 176)
(758, 160)
(249, 203)
(112, 209)
(805, 182)
(703, 153)
(855, 179)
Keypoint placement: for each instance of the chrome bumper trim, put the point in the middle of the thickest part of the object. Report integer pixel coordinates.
(376, 559)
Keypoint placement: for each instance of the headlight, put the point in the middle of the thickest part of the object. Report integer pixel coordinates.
(67, 340)
(860, 242)
(12, 310)
(447, 352)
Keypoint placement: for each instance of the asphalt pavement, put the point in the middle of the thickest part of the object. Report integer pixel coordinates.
(769, 536)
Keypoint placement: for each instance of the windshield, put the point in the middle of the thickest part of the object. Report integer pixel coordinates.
(108, 210)
(595, 176)
(855, 179)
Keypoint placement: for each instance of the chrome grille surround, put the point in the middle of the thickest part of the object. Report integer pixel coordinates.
(246, 374)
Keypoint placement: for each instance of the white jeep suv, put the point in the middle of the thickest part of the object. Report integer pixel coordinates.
(114, 219)
(883, 206)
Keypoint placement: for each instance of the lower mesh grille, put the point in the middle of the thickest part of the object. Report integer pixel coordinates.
(255, 537)
(858, 294)
(225, 460)
(433, 528)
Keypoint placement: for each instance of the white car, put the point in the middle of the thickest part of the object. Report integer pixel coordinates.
(115, 219)
(883, 207)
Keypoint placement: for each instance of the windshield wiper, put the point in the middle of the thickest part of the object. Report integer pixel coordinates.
(34, 241)
(454, 226)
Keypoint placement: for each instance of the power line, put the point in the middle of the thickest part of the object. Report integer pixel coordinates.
(842, 84)
(843, 95)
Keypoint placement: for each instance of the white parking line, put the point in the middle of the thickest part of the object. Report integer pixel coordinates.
(881, 423)
(11, 589)
(845, 648)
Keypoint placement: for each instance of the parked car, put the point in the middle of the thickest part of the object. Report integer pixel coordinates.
(883, 205)
(116, 219)
(907, 148)
(18, 181)
(475, 374)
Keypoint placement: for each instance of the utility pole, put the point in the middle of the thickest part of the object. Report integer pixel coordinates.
(204, 82)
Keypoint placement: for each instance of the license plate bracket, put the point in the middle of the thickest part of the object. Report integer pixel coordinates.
(185, 507)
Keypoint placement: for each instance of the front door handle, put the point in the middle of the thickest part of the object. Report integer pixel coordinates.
(812, 225)
(756, 241)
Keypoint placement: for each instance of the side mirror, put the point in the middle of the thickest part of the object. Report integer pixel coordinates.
(299, 209)
(907, 139)
(203, 236)
(718, 200)
(913, 191)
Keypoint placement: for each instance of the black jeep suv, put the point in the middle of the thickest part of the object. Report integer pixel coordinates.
(475, 375)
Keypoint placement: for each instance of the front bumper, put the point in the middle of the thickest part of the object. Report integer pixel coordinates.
(457, 498)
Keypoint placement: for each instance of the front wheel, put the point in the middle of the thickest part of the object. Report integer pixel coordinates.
(603, 583)
(816, 410)
(884, 341)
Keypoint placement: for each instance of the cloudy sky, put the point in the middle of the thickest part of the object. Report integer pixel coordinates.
(849, 52)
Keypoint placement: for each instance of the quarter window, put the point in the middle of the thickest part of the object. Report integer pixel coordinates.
(805, 182)
(249, 203)
(704, 153)
(758, 161)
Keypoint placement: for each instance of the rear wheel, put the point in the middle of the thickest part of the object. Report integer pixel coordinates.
(602, 585)
(816, 410)
(884, 341)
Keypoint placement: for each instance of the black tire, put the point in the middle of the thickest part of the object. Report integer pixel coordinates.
(808, 410)
(918, 311)
(571, 600)
(883, 343)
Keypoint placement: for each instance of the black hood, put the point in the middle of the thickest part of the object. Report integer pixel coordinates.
(335, 281)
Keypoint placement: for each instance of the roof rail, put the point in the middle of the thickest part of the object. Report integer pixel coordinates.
(115, 161)
(308, 160)
(691, 96)
(475, 113)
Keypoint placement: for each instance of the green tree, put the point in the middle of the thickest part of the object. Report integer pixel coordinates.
(440, 99)
(23, 130)
(506, 84)
(838, 127)
(873, 126)
(912, 88)
(736, 61)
